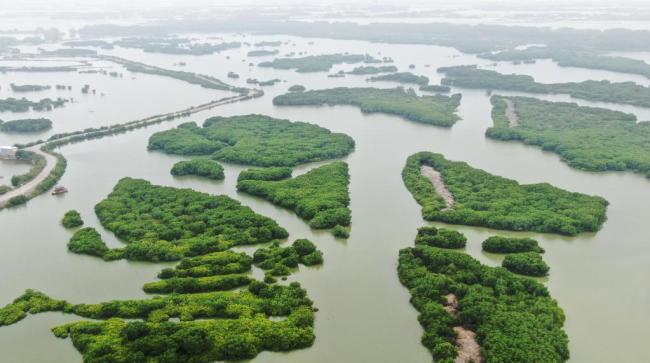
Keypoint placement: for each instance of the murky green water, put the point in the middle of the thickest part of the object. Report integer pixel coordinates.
(599, 279)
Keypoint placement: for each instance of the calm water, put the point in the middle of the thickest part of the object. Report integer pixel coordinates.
(599, 279)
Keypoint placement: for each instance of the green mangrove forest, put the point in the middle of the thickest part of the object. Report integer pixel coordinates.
(316, 63)
(402, 77)
(167, 224)
(573, 58)
(26, 125)
(514, 319)
(319, 196)
(366, 70)
(199, 167)
(628, 93)
(435, 110)
(72, 219)
(483, 199)
(254, 140)
(587, 138)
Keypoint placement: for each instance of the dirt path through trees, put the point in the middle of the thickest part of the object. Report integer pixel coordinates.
(511, 113)
(438, 185)
(468, 349)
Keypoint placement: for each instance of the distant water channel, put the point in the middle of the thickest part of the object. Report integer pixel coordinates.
(600, 280)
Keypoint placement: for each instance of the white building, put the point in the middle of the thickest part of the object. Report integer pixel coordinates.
(8, 152)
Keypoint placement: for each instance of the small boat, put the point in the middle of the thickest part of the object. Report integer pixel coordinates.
(59, 190)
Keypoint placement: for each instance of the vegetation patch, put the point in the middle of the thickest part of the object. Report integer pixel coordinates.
(402, 77)
(297, 88)
(500, 244)
(340, 232)
(435, 88)
(72, 219)
(165, 224)
(365, 70)
(254, 140)
(628, 93)
(278, 261)
(270, 173)
(320, 196)
(23, 105)
(515, 318)
(28, 87)
(262, 53)
(483, 199)
(88, 241)
(436, 110)
(213, 326)
(573, 58)
(587, 138)
(215, 263)
(26, 125)
(199, 167)
(316, 63)
(440, 237)
(526, 263)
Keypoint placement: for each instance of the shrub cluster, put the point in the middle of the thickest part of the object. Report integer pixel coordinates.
(500, 244)
(279, 260)
(72, 219)
(200, 167)
(440, 237)
(526, 263)
(271, 173)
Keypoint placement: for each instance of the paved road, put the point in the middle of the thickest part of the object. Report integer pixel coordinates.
(51, 160)
(30, 186)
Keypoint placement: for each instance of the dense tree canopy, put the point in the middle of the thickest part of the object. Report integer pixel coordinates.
(213, 326)
(200, 167)
(514, 318)
(26, 125)
(402, 77)
(440, 237)
(254, 140)
(320, 196)
(164, 224)
(278, 261)
(72, 219)
(500, 244)
(364, 70)
(23, 105)
(262, 53)
(526, 263)
(588, 138)
(316, 63)
(569, 57)
(88, 241)
(434, 110)
(271, 173)
(628, 93)
(483, 199)
(435, 88)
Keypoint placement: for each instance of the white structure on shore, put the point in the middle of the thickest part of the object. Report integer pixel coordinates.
(8, 152)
